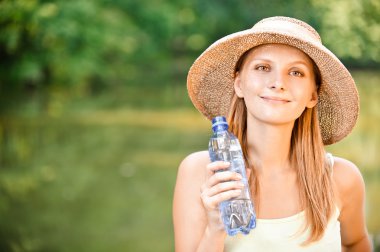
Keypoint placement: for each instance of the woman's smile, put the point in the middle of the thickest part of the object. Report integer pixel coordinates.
(274, 99)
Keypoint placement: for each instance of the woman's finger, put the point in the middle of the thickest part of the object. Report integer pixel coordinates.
(214, 201)
(223, 187)
(223, 176)
(213, 167)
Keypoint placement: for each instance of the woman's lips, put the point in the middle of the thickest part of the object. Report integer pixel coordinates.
(275, 99)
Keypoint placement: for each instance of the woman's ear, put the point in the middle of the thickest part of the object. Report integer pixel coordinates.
(314, 100)
(237, 85)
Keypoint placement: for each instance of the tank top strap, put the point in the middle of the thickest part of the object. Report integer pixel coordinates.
(330, 162)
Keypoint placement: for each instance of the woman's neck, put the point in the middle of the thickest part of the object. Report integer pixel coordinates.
(269, 146)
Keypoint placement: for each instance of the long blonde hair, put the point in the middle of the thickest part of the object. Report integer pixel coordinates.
(307, 155)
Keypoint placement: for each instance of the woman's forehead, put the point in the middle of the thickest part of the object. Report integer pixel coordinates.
(278, 51)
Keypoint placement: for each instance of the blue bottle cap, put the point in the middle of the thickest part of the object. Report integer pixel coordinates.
(219, 122)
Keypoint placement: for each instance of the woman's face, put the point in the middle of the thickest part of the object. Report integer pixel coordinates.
(277, 83)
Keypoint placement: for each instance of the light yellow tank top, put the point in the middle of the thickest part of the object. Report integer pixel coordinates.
(285, 235)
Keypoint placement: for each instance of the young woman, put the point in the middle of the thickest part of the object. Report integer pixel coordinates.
(286, 96)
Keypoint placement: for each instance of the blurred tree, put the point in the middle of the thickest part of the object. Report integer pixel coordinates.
(68, 43)
(90, 45)
(351, 28)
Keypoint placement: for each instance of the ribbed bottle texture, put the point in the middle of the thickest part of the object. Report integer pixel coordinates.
(238, 213)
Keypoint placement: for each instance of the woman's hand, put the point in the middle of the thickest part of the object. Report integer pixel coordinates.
(200, 188)
(220, 185)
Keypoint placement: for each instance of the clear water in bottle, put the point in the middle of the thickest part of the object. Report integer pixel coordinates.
(238, 213)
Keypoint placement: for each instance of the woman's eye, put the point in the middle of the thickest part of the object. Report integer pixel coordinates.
(262, 68)
(296, 73)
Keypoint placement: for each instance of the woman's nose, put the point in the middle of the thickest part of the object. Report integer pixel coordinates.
(278, 83)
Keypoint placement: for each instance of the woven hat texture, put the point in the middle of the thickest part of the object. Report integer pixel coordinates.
(211, 77)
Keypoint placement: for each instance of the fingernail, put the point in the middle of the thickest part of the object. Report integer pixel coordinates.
(226, 163)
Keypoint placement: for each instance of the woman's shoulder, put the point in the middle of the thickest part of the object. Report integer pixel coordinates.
(196, 158)
(195, 161)
(347, 179)
(194, 164)
(346, 173)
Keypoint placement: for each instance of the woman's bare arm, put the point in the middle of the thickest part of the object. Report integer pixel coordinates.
(351, 192)
(198, 192)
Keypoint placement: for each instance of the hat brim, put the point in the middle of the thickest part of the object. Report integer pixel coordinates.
(210, 79)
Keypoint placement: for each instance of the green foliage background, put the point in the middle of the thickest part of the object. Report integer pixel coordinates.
(94, 115)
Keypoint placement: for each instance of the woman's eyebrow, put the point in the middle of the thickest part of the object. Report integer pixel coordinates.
(262, 59)
(301, 62)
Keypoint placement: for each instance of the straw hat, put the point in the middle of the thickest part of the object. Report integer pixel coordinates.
(211, 77)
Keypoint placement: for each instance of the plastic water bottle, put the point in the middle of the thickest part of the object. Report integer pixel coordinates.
(238, 213)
